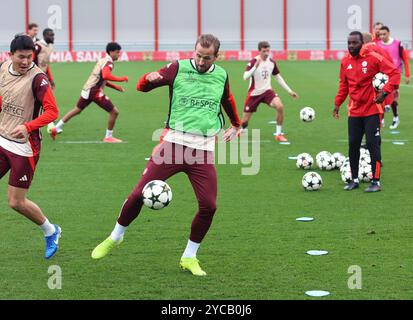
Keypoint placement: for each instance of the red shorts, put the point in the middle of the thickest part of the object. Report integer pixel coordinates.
(252, 102)
(21, 168)
(99, 98)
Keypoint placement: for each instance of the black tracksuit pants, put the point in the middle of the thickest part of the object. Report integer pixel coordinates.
(357, 127)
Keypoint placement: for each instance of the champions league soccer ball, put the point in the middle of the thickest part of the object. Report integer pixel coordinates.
(338, 159)
(364, 160)
(312, 181)
(304, 161)
(156, 194)
(379, 80)
(307, 114)
(364, 151)
(346, 173)
(325, 161)
(321, 154)
(365, 173)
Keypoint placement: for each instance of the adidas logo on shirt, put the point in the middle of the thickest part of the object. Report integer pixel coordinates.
(44, 83)
(24, 179)
(349, 67)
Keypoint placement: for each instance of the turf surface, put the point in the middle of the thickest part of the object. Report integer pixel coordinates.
(255, 248)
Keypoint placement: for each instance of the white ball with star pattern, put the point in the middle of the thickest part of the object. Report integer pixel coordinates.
(364, 160)
(312, 181)
(156, 194)
(304, 161)
(379, 81)
(365, 173)
(322, 153)
(326, 162)
(307, 114)
(339, 159)
(345, 173)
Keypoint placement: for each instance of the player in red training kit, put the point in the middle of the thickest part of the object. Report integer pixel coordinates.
(364, 108)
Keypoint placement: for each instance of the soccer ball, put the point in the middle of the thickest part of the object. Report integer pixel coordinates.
(156, 194)
(365, 173)
(307, 114)
(364, 151)
(312, 181)
(321, 154)
(345, 164)
(364, 160)
(304, 161)
(326, 162)
(346, 173)
(379, 80)
(338, 159)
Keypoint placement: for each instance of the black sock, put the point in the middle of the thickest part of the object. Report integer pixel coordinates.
(394, 108)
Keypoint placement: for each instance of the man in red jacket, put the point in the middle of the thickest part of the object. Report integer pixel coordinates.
(364, 108)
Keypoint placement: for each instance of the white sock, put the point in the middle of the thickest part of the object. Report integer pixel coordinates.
(356, 180)
(47, 228)
(396, 118)
(109, 133)
(60, 125)
(278, 129)
(191, 249)
(118, 232)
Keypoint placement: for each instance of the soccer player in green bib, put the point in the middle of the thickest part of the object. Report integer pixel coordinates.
(198, 89)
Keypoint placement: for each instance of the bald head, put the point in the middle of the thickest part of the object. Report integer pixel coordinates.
(367, 37)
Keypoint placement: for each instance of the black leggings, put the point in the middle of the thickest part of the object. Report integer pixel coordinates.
(357, 127)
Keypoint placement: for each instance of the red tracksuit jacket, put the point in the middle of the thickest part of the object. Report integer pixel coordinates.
(356, 75)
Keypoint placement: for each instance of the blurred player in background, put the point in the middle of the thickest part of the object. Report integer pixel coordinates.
(44, 49)
(372, 46)
(27, 104)
(400, 56)
(376, 32)
(32, 31)
(198, 88)
(364, 108)
(93, 92)
(259, 71)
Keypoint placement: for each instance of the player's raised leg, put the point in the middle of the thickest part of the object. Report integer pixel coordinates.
(133, 204)
(54, 130)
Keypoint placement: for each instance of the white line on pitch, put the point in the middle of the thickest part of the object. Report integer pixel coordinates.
(384, 140)
(88, 142)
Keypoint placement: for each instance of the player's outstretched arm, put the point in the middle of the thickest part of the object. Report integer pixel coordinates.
(108, 76)
(162, 77)
(285, 86)
(114, 86)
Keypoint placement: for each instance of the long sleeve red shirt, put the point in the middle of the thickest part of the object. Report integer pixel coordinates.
(169, 73)
(356, 75)
(43, 98)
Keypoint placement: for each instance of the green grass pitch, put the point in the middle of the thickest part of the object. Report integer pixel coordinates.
(255, 249)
